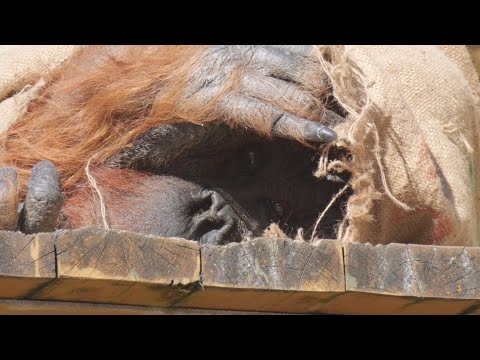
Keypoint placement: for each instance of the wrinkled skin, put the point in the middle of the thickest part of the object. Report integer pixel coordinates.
(41, 210)
(273, 79)
(216, 184)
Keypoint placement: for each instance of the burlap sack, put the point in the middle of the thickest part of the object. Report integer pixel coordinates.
(21, 69)
(412, 130)
(413, 133)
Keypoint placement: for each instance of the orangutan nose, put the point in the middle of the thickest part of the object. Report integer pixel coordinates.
(214, 219)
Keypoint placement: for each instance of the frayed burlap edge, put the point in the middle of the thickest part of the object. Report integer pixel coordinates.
(350, 90)
(368, 181)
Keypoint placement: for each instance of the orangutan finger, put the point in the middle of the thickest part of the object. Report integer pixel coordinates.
(280, 93)
(288, 97)
(44, 200)
(266, 118)
(8, 199)
(287, 66)
(288, 126)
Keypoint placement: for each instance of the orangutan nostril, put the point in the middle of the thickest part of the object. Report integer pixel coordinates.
(213, 219)
(208, 225)
(201, 205)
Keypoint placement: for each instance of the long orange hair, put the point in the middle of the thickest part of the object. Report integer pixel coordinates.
(97, 102)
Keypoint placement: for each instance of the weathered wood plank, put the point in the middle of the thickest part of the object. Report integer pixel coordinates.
(122, 268)
(39, 307)
(27, 262)
(277, 275)
(263, 275)
(418, 279)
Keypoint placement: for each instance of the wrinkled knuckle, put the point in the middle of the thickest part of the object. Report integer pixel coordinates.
(42, 195)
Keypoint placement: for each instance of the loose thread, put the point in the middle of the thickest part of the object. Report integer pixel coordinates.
(382, 172)
(103, 210)
(335, 198)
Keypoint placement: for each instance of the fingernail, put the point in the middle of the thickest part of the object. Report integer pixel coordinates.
(319, 133)
(327, 135)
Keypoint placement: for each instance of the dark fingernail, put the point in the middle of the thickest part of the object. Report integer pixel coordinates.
(319, 133)
(326, 134)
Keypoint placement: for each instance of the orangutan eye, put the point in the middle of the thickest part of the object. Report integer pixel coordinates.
(276, 209)
(251, 158)
(252, 162)
(279, 210)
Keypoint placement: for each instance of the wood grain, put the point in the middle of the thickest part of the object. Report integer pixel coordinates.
(27, 263)
(93, 266)
(423, 279)
(41, 307)
(122, 268)
(277, 275)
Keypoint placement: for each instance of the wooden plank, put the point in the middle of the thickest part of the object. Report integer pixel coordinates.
(122, 268)
(27, 263)
(263, 275)
(39, 307)
(412, 279)
(277, 275)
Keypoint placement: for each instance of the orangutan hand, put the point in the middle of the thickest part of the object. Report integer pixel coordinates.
(275, 81)
(43, 203)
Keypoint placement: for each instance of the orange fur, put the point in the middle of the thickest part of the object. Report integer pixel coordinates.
(97, 102)
(118, 186)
